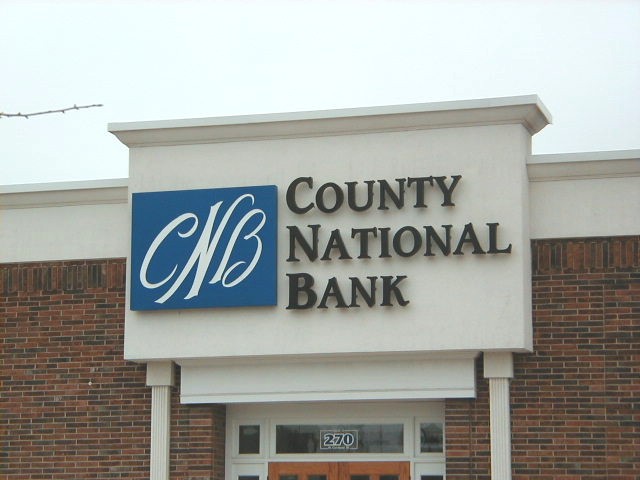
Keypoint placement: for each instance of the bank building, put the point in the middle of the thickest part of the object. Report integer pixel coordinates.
(389, 293)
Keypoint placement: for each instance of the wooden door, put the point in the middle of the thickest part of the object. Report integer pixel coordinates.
(303, 471)
(339, 471)
(374, 471)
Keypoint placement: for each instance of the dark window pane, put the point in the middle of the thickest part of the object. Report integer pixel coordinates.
(430, 438)
(249, 436)
(248, 477)
(382, 438)
(359, 477)
(296, 439)
(431, 477)
(288, 477)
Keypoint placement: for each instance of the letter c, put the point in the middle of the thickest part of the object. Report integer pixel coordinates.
(164, 233)
(291, 195)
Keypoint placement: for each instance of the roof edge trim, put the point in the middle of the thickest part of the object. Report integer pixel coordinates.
(57, 194)
(584, 165)
(527, 110)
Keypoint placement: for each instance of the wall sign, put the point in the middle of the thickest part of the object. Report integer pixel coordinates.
(204, 248)
(217, 247)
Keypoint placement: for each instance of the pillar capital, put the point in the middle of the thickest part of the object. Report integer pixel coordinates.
(498, 365)
(160, 374)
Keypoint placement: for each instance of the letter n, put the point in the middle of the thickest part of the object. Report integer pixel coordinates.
(311, 251)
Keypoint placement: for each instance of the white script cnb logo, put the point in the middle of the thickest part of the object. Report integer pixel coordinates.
(216, 236)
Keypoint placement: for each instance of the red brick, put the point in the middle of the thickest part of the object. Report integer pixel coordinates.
(63, 326)
(567, 394)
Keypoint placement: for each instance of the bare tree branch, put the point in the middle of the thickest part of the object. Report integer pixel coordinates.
(62, 110)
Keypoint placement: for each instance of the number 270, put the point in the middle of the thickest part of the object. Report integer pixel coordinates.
(338, 439)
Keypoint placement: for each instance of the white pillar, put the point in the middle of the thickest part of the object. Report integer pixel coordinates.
(498, 368)
(160, 379)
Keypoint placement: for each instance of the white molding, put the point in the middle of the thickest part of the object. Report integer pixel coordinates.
(525, 110)
(326, 412)
(498, 365)
(500, 424)
(160, 432)
(360, 395)
(498, 368)
(589, 194)
(160, 374)
(92, 192)
(584, 165)
(384, 378)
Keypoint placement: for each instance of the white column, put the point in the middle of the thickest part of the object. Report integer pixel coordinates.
(160, 379)
(498, 368)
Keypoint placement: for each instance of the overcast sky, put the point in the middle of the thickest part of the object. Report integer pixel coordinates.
(152, 60)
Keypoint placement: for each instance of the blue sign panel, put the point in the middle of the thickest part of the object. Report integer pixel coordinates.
(204, 248)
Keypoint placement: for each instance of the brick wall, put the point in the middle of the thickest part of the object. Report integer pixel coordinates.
(575, 400)
(70, 406)
(467, 438)
(197, 439)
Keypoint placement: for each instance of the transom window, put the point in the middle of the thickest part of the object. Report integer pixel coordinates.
(340, 438)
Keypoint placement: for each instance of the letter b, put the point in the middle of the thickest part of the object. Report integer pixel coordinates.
(295, 288)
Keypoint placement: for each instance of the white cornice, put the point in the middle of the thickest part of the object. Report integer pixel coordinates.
(57, 194)
(525, 110)
(586, 165)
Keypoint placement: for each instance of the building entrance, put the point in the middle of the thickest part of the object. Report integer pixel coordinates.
(339, 470)
(388, 440)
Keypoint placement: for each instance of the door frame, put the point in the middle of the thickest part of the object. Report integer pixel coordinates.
(266, 416)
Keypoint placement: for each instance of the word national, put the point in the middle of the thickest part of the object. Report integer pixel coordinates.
(312, 242)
